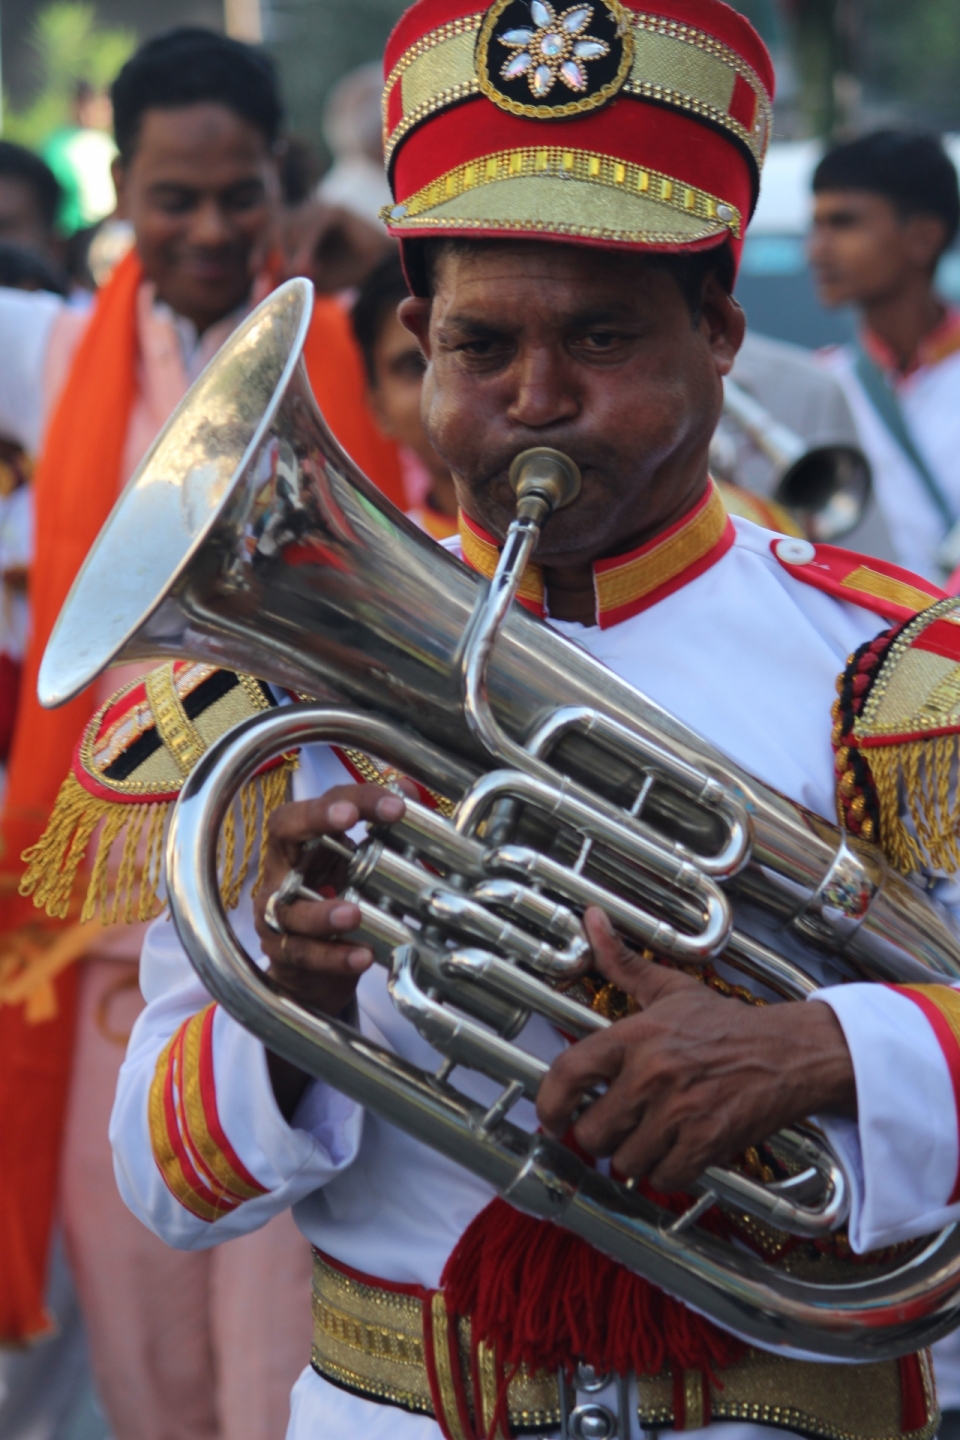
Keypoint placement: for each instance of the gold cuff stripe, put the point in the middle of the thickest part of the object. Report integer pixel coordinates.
(942, 998)
(174, 725)
(884, 587)
(386, 775)
(706, 214)
(673, 64)
(211, 1156)
(642, 574)
(165, 1157)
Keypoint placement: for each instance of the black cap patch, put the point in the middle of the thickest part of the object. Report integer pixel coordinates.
(538, 60)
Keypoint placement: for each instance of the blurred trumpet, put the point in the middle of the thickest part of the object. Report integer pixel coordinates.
(825, 489)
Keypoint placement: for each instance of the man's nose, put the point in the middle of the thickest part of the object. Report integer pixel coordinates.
(210, 226)
(544, 394)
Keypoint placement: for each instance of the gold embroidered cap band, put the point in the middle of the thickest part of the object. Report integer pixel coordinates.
(594, 121)
(662, 60)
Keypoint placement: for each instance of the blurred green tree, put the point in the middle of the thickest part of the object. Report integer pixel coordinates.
(316, 42)
(866, 63)
(912, 52)
(844, 64)
(67, 45)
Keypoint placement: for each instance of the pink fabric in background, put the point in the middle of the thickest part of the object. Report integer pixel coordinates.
(185, 1346)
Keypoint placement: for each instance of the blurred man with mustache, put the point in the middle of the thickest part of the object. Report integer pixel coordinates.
(571, 192)
(198, 124)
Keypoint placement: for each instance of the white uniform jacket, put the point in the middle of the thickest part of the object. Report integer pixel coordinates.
(746, 655)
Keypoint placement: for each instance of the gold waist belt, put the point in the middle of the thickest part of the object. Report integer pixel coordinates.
(396, 1344)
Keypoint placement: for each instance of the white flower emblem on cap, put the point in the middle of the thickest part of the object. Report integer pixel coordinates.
(556, 50)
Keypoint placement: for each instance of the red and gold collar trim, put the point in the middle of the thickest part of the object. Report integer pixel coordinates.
(942, 342)
(626, 584)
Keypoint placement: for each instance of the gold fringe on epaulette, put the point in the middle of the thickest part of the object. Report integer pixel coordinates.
(919, 779)
(132, 891)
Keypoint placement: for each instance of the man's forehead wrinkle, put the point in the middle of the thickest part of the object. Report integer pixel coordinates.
(463, 320)
(602, 276)
(497, 320)
(506, 302)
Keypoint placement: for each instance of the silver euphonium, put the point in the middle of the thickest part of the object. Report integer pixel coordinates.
(247, 538)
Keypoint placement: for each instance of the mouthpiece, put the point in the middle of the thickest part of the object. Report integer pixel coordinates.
(543, 480)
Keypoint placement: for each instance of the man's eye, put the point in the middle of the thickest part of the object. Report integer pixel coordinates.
(600, 339)
(247, 198)
(410, 366)
(175, 202)
(478, 348)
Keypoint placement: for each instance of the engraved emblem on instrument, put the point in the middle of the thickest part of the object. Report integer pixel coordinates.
(544, 62)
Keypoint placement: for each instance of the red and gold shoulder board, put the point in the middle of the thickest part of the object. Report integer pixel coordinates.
(896, 740)
(875, 585)
(128, 768)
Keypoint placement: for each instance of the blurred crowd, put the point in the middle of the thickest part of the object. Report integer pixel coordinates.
(129, 249)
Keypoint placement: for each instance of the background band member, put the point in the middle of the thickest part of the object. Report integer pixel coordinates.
(791, 384)
(885, 209)
(30, 198)
(394, 364)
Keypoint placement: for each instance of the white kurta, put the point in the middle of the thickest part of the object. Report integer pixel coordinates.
(747, 656)
(930, 402)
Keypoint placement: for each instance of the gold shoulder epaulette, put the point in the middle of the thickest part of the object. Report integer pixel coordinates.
(896, 740)
(127, 772)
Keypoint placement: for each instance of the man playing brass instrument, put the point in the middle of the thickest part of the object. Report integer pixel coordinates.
(571, 193)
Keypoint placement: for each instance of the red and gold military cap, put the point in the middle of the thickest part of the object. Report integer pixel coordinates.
(597, 122)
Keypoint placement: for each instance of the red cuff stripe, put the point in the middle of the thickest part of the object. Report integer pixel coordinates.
(208, 1095)
(941, 1006)
(211, 1195)
(169, 1152)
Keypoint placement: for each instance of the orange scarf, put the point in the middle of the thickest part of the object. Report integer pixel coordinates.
(76, 486)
